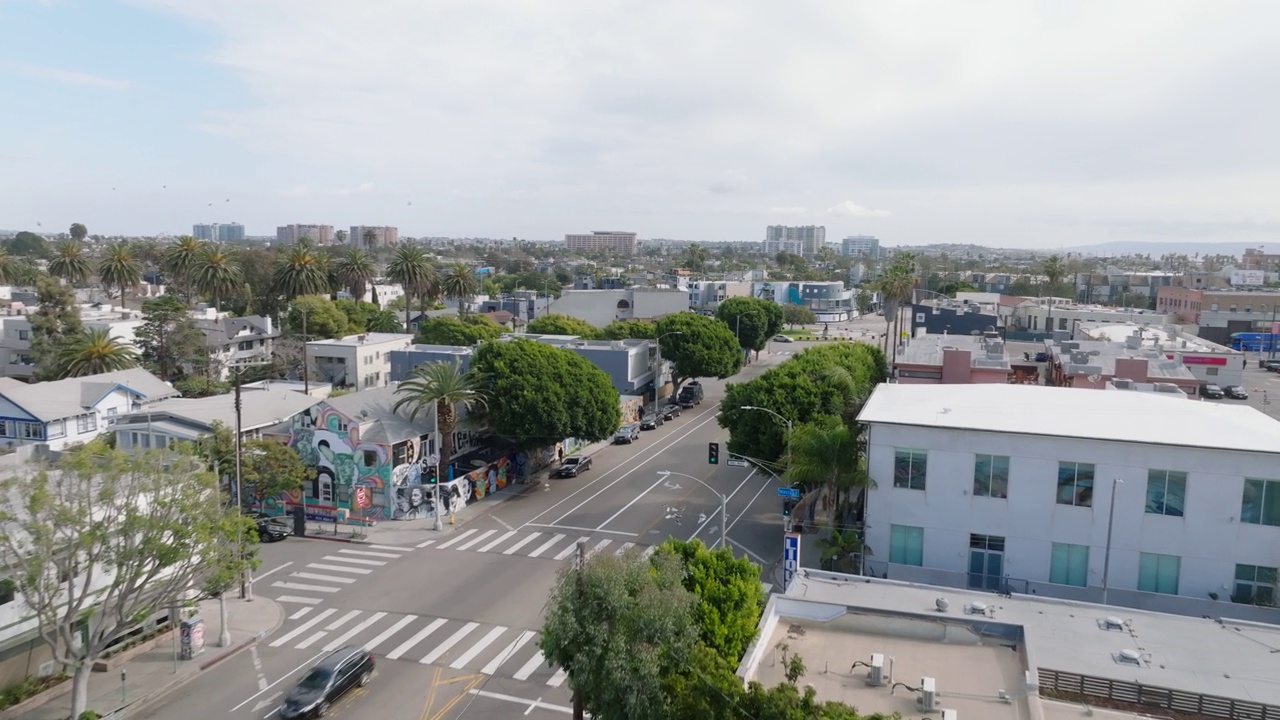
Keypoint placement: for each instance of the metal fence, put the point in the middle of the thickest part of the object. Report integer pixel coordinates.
(1179, 701)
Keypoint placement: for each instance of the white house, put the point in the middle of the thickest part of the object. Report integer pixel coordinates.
(1010, 487)
(263, 407)
(76, 410)
(15, 334)
(358, 361)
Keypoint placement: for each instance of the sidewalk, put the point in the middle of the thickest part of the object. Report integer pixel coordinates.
(152, 674)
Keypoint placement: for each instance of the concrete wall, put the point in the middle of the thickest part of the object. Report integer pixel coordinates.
(953, 321)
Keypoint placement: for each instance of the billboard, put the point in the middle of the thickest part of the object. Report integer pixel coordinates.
(1248, 277)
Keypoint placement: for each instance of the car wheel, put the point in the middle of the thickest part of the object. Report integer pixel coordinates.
(322, 710)
(364, 679)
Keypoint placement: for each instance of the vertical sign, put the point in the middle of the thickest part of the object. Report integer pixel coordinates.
(362, 497)
(790, 558)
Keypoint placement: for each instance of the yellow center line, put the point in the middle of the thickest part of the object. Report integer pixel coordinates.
(431, 695)
(474, 681)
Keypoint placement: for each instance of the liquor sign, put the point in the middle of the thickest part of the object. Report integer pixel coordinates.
(790, 558)
(362, 497)
(1200, 360)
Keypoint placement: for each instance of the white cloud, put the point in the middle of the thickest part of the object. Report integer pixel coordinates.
(788, 210)
(71, 77)
(849, 208)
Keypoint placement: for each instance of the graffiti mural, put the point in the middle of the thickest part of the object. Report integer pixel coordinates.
(340, 462)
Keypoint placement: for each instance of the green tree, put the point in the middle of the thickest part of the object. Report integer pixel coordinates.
(824, 453)
(358, 314)
(618, 626)
(730, 597)
(794, 315)
(1053, 269)
(956, 286)
(461, 332)
(543, 283)
(119, 268)
(168, 339)
(27, 244)
(412, 270)
(302, 270)
(93, 352)
(864, 302)
(198, 386)
(179, 263)
(695, 258)
(54, 324)
(839, 550)
(259, 293)
(78, 232)
(896, 286)
(460, 284)
(752, 320)
(355, 269)
(323, 317)
(385, 321)
(555, 324)
(540, 394)
(698, 347)
(445, 389)
(105, 540)
(269, 468)
(629, 330)
(216, 273)
(70, 263)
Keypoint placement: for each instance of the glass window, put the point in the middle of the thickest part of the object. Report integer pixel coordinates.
(1260, 504)
(7, 591)
(57, 428)
(31, 431)
(1255, 584)
(1158, 573)
(906, 545)
(991, 476)
(370, 458)
(1166, 492)
(1069, 565)
(909, 468)
(1075, 484)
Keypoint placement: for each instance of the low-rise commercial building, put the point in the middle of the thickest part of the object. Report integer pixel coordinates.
(1203, 361)
(1050, 314)
(1095, 364)
(830, 301)
(601, 307)
(1219, 314)
(958, 359)
(360, 361)
(955, 317)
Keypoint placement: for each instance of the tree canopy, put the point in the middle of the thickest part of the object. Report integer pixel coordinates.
(168, 339)
(28, 244)
(465, 331)
(55, 323)
(540, 394)
(324, 319)
(698, 346)
(629, 330)
(555, 324)
(794, 315)
(753, 320)
(730, 598)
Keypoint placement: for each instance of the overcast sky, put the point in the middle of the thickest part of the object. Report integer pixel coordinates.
(1030, 124)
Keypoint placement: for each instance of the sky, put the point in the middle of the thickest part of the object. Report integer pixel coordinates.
(1014, 124)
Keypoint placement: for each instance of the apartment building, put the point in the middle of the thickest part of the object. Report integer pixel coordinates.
(708, 294)
(803, 240)
(601, 307)
(371, 237)
(318, 234)
(611, 241)
(15, 334)
(218, 232)
(356, 361)
(866, 246)
(1034, 489)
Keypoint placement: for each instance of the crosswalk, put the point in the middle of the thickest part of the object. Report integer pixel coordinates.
(549, 544)
(340, 569)
(458, 644)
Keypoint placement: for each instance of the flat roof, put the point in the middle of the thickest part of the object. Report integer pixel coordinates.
(1170, 339)
(369, 339)
(927, 349)
(1144, 418)
(1158, 366)
(1222, 657)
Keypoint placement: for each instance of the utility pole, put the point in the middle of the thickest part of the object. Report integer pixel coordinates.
(581, 562)
(246, 584)
(306, 378)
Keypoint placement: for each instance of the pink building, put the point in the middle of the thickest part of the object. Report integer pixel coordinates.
(955, 360)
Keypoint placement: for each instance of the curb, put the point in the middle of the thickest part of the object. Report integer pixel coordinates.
(330, 539)
(156, 695)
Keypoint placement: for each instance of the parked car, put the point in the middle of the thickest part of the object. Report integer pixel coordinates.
(1042, 357)
(1235, 392)
(651, 421)
(1272, 365)
(782, 338)
(270, 529)
(328, 681)
(671, 412)
(627, 434)
(690, 395)
(1211, 391)
(571, 466)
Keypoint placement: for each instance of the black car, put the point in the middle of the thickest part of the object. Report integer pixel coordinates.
(323, 684)
(270, 529)
(1235, 392)
(1211, 391)
(671, 412)
(570, 467)
(652, 421)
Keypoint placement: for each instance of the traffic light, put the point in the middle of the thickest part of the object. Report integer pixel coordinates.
(432, 476)
(713, 453)
(787, 505)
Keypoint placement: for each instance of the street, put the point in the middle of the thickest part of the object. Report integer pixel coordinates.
(453, 620)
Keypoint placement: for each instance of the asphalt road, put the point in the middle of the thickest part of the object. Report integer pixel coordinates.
(453, 620)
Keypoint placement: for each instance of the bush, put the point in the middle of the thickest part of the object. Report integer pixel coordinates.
(28, 689)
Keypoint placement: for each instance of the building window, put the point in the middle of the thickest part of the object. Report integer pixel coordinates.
(245, 345)
(1211, 371)
(1158, 573)
(1260, 504)
(991, 476)
(1166, 492)
(7, 591)
(86, 423)
(909, 468)
(1075, 484)
(24, 334)
(111, 412)
(370, 458)
(31, 431)
(6, 428)
(1069, 565)
(57, 428)
(1255, 585)
(906, 545)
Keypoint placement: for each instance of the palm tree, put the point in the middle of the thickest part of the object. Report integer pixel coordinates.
(9, 270)
(217, 273)
(446, 387)
(840, 548)
(412, 270)
(895, 287)
(1053, 269)
(69, 262)
(460, 284)
(383, 321)
(355, 268)
(79, 232)
(370, 237)
(180, 261)
(94, 351)
(302, 271)
(119, 268)
(823, 454)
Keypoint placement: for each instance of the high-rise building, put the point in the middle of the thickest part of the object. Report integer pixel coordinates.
(204, 231)
(807, 238)
(378, 236)
(621, 243)
(318, 234)
(860, 246)
(218, 232)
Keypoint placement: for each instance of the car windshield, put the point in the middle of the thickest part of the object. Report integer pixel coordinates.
(317, 679)
(571, 461)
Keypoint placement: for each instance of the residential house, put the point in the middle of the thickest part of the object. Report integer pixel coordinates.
(54, 415)
(15, 336)
(262, 412)
(358, 361)
(236, 341)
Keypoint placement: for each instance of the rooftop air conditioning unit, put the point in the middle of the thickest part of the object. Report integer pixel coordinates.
(928, 700)
(875, 676)
(1121, 384)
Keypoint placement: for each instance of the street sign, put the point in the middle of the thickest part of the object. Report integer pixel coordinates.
(362, 497)
(736, 462)
(789, 492)
(790, 558)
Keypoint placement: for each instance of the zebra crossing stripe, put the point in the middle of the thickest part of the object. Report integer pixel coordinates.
(447, 645)
(340, 568)
(528, 539)
(357, 561)
(303, 627)
(458, 539)
(342, 639)
(524, 672)
(300, 613)
(476, 540)
(547, 545)
(425, 544)
(508, 651)
(300, 586)
(501, 537)
(323, 578)
(599, 546)
(389, 632)
(649, 550)
(313, 639)
(570, 550)
(625, 547)
(296, 599)
(387, 547)
(370, 553)
(417, 638)
(342, 620)
(558, 679)
(478, 648)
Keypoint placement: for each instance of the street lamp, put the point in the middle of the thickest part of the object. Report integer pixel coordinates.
(657, 357)
(789, 424)
(724, 503)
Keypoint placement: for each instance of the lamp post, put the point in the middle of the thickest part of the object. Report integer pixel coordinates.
(1106, 555)
(724, 503)
(657, 357)
(306, 377)
(789, 424)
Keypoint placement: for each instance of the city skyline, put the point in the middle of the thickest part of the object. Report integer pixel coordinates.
(1028, 126)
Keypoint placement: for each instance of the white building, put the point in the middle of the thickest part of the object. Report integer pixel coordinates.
(1040, 314)
(15, 334)
(318, 234)
(708, 294)
(612, 241)
(601, 307)
(54, 415)
(829, 300)
(377, 294)
(358, 361)
(1208, 362)
(1010, 486)
(263, 407)
(866, 246)
(380, 236)
(805, 239)
(233, 341)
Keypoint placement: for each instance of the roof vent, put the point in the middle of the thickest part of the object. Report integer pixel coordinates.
(1111, 622)
(976, 608)
(942, 604)
(1128, 656)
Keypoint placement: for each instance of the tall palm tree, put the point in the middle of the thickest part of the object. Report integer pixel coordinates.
(355, 268)
(447, 388)
(119, 268)
(302, 271)
(895, 288)
(370, 237)
(840, 548)
(94, 351)
(411, 269)
(70, 263)
(460, 284)
(1053, 269)
(9, 270)
(180, 260)
(217, 273)
(819, 455)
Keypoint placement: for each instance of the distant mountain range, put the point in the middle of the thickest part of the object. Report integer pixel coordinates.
(1157, 248)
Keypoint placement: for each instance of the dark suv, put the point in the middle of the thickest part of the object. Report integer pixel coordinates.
(329, 680)
(690, 395)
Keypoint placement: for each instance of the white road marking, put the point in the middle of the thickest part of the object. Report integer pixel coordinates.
(322, 578)
(272, 570)
(478, 648)
(524, 672)
(389, 632)
(340, 568)
(558, 679)
(528, 539)
(303, 627)
(447, 645)
(634, 500)
(297, 599)
(300, 613)
(547, 545)
(476, 540)
(369, 553)
(257, 665)
(716, 514)
(311, 640)
(649, 551)
(625, 547)
(501, 537)
(300, 586)
(508, 651)
(338, 642)
(458, 539)
(267, 703)
(571, 549)
(533, 704)
(500, 522)
(282, 677)
(579, 529)
(357, 561)
(388, 547)
(599, 546)
(425, 544)
(342, 620)
(417, 638)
